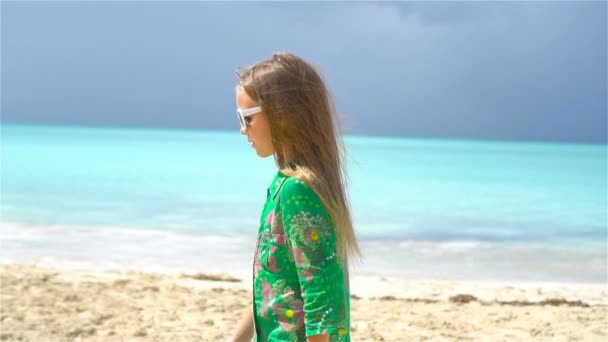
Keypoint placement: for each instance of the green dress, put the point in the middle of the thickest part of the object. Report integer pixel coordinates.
(300, 287)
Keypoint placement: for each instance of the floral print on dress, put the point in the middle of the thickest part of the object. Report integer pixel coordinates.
(299, 284)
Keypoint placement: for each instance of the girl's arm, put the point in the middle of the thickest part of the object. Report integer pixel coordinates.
(244, 331)
(311, 239)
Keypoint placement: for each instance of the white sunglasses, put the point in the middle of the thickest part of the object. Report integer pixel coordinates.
(243, 113)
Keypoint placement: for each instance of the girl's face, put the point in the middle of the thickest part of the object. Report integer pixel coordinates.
(257, 130)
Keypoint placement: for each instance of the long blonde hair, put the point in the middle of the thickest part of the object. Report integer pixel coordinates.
(305, 133)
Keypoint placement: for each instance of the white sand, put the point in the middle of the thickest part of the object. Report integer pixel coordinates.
(43, 304)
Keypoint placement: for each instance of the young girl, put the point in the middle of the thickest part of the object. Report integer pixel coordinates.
(300, 280)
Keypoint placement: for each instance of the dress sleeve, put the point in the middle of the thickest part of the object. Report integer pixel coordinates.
(312, 240)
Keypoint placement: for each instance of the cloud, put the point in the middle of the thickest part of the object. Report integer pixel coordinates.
(507, 70)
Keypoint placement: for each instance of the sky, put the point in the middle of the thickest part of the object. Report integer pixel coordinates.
(519, 70)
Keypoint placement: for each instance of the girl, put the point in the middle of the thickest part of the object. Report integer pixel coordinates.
(300, 281)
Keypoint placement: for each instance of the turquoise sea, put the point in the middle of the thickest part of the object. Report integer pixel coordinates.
(186, 200)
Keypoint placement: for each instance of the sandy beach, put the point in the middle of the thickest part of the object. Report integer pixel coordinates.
(45, 304)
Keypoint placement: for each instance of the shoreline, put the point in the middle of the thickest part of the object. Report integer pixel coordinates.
(97, 265)
(171, 251)
(59, 304)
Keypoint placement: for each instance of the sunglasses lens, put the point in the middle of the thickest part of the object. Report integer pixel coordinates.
(241, 120)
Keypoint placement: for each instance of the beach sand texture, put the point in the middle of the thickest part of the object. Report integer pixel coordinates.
(43, 304)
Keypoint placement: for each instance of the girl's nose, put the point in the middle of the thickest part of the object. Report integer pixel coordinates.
(244, 131)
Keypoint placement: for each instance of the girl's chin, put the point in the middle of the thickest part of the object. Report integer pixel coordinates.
(262, 154)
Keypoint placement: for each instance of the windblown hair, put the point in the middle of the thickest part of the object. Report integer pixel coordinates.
(305, 134)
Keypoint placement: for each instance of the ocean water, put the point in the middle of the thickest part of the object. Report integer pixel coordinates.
(181, 201)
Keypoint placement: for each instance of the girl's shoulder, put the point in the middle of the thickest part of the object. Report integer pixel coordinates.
(293, 186)
(298, 195)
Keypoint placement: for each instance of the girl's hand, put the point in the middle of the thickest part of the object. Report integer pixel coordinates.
(319, 338)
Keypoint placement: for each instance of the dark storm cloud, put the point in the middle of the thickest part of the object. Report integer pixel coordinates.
(506, 70)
